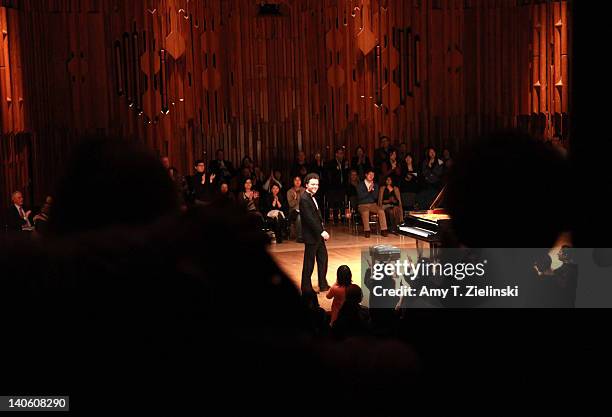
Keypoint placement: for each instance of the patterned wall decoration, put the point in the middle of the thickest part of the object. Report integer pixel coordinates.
(190, 76)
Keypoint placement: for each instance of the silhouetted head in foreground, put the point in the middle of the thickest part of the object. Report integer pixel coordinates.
(112, 182)
(509, 190)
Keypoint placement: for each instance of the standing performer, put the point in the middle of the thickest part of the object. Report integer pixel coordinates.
(314, 235)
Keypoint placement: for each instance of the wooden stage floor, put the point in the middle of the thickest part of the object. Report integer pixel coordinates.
(343, 248)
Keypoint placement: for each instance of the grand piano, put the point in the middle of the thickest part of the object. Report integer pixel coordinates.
(427, 225)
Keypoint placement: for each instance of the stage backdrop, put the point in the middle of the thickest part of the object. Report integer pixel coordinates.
(190, 76)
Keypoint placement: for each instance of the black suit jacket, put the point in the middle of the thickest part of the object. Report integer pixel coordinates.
(337, 176)
(14, 220)
(312, 220)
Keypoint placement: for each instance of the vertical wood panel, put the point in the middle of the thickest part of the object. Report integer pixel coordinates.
(268, 86)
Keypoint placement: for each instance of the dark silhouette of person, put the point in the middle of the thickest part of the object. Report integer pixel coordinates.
(111, 182)
(148, 302)
(508, 190)
(353, 319)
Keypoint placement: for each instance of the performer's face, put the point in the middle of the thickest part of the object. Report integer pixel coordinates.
(312, 186)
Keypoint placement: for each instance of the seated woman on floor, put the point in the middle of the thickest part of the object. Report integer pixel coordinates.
(276, 209)
(250, 199)
(389, 198)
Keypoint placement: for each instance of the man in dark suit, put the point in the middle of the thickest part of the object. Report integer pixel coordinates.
(314, 236)
(17, 215)
(202, 186)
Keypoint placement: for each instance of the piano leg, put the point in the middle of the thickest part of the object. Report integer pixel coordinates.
(419, 247)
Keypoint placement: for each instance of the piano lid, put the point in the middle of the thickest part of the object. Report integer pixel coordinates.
(435, 212)
(438, 202)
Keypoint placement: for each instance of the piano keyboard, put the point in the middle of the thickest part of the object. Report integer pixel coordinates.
(417, 231)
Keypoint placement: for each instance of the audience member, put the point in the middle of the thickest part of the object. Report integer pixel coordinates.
(225, 194)
(566, 277)
(338, 291)
(337, 178)
(409, 184)
(111, 182)
(276, 210)
(367, 193)
(250, 200)
(498, 176)
(381, 155)
(274, 178)
(353, 319)
(391, 167)
(351, 191)
(300, 166)
(402, 151)
(18, 217)
(165, 162)
(201, 185)
(222, 167)
(390, 199)
(258, 179)
(293, 200)
(41, 220)
(361, 162)
(432, 170)
(318, 167)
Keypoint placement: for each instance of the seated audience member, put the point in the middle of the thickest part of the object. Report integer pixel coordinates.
(274, 178)
(222, 167)
(201, 185)
(276, 212)
(447, 159)
(41, 220)
(566, 277)
(247, 162)
(293, 200)
(165, 161)
(381, 155)
(543, 265)
(250, 200)
(245, 173)
(225, 194)
(542, 289)
(257, 176)
(338, 291)
(368, 203)
(337, 178)
(351, 191)
(432, 170)
(409, 183)
(390, 199)
(18, 217)
(180, 183)
(391, 167)
(111, 182)
(353, 319)
(300, 166)
(402, 151)
(361, 162)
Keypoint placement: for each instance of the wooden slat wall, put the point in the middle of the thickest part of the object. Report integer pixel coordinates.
(190, 76)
